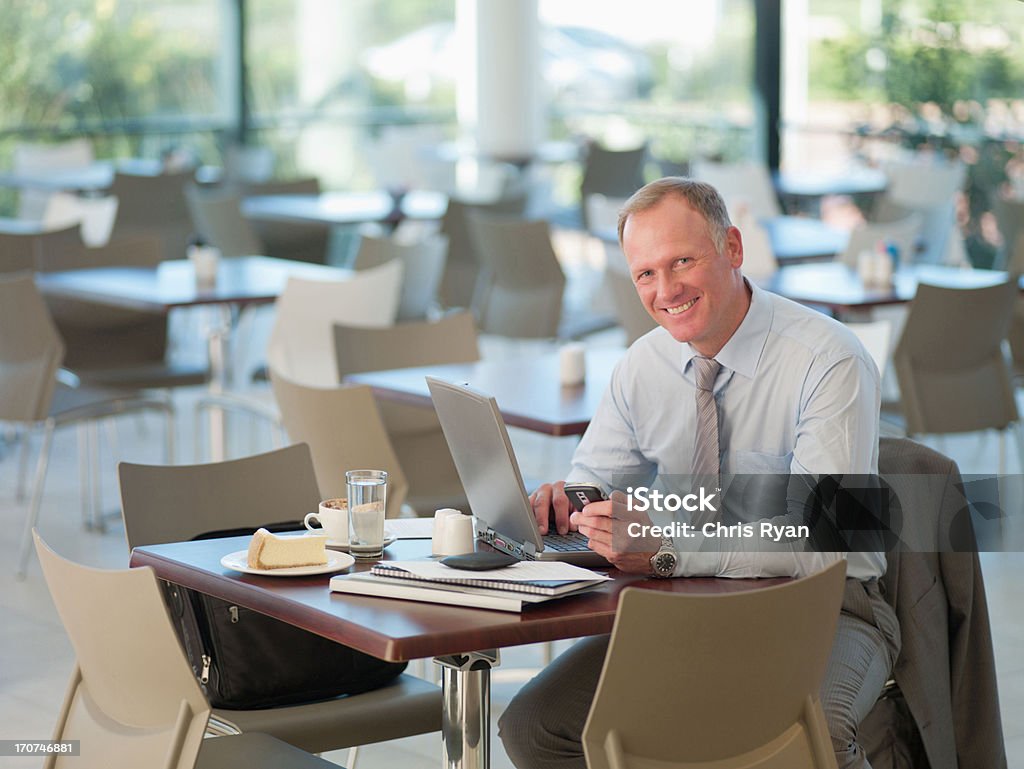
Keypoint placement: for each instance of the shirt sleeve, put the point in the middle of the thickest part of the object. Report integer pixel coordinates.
(608, 453)
(837, 433)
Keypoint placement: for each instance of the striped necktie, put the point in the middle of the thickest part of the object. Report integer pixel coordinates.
(706, 453)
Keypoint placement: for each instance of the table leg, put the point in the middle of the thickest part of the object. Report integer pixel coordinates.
(217, 345)
(466, 716)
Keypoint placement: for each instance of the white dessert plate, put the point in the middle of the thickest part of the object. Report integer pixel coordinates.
(239, 561)
(343, 546)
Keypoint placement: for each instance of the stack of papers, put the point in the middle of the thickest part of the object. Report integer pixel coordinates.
(507, 589)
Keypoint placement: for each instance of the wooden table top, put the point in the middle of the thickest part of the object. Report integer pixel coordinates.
(240, 280)
(399, 630)
(527, 390)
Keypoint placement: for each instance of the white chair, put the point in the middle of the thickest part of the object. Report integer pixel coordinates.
(737, 675)
(743, 184)
(301, 345)
(903, 232)
(33, 158)
(132, 700)
(302, 341)
(876, 336)
(522, 285)
(31, 396)
(95, 216)
(423, 263)
(929, 188)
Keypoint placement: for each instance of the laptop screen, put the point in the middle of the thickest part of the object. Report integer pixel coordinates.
(485, 461)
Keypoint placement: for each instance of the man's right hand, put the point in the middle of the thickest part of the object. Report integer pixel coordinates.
(543, 499)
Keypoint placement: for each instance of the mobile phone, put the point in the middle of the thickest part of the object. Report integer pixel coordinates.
(582, 494)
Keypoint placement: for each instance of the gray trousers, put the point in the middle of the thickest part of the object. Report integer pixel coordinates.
(543, 725)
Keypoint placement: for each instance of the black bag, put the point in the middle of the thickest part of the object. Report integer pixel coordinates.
(245, 660)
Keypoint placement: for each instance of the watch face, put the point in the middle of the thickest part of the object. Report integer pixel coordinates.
(664, 564)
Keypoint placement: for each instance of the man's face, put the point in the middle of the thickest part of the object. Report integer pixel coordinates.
(696, 293)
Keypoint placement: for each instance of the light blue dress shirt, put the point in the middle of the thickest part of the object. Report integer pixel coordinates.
(796, 393)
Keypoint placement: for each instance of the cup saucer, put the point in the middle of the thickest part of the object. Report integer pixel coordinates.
(334, 544)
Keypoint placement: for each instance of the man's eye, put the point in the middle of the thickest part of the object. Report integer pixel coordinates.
(683, 261)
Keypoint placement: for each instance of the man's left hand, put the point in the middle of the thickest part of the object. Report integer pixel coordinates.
(605, 525)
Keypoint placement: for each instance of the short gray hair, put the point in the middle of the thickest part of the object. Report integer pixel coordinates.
(702, 198)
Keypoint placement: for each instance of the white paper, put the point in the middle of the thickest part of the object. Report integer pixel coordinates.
(524, 571)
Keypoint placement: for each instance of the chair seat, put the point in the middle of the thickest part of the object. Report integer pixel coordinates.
(405, 707)
(71, 404)
(255, 751)
(145, 377)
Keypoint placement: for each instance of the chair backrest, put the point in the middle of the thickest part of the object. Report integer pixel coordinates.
(133, 699)
(32, 158)
(732, 680)
(217, 218)
(629, 310)
(522, 283)
(745, 185)
(462, 267)
(344, 431)
(423, 263)
(31, 351)
(603, 212)
(248, 163)
(307, 242)
(172, 503)
(94, 215)
(452, 339)
(903, 233)
(929, 188)
(875, 336)
(154, 204)
(98, 337)
(758, 257)
(301, 342)
(33, 251)
(1010, 220)
(613, 173)
(949, 360)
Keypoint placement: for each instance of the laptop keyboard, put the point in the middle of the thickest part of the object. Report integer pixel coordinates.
(565, 543)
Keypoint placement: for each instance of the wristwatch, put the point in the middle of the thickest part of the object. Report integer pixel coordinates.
(663, 563)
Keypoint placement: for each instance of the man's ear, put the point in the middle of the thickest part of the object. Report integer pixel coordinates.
(734, 247)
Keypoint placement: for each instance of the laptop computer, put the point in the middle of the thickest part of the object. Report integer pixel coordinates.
(487, 466)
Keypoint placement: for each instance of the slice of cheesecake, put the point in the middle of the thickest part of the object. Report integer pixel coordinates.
(269, 551)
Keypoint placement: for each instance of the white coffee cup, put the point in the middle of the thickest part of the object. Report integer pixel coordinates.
(332, 517)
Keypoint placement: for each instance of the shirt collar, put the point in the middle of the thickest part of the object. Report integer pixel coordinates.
(742, 353)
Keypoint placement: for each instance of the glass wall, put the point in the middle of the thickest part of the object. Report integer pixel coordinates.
(676, 74)
(875, 80)
(326, 77)
(141, 74)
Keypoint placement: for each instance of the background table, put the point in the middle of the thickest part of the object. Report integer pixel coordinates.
(838, 288)
(346, 208)
(527, 390)
(241, 281)
(463, 640)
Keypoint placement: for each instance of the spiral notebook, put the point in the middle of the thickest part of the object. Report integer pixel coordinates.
(549, 587)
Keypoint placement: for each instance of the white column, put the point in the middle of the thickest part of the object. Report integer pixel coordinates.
(499, 100)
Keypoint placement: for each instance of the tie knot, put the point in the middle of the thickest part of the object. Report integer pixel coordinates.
(706, 369)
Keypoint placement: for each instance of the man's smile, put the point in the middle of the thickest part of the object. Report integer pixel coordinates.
(682, 307)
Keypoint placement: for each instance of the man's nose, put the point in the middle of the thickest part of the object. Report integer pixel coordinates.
(669, 287)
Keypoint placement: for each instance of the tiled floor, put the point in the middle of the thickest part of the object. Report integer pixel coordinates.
(35, 657)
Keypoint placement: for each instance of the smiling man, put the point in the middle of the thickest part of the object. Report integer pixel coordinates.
(734, 381)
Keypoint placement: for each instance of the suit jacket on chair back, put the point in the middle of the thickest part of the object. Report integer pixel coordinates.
(946, 668)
